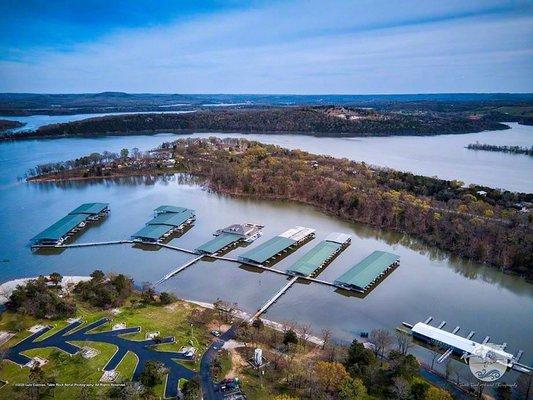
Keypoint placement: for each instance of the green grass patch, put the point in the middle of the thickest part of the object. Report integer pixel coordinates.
(127, 366)
(169, 320)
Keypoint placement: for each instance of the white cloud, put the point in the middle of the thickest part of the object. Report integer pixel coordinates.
(345, 47)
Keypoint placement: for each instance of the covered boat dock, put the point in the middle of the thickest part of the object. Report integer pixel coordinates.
(70, 224)
(274, 247)
(168, 220)
(365, 273)
(230, 236)
(320, 255)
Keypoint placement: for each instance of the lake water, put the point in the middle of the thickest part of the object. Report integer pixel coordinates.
(444, 156)
(428, 282)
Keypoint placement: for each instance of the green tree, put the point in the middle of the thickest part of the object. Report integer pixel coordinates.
(290, 338)
(358, 358)
(152, 374)
(124, 153)
(352, 389)
(55, 278)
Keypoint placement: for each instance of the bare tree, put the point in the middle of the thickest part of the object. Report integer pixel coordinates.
(305, 331)
(404, 342)
(401, 388)
(326, 337)
(382, 339)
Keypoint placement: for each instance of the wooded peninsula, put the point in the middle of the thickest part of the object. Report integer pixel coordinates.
(325, 121)
(483, 224)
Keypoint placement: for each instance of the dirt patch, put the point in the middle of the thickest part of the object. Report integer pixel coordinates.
(237, 364)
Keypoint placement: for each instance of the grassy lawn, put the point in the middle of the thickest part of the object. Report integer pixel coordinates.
(61, 367)
(126, 368)
(169, 320)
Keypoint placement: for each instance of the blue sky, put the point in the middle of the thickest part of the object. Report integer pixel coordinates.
(301, 47)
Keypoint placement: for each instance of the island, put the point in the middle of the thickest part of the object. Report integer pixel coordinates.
(6, 125)
(323, 121)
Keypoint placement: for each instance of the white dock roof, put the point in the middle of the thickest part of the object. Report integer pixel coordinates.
(453, 340)
(338, 237)
(298, 233)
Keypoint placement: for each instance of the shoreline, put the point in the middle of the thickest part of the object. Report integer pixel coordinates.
(7, 288)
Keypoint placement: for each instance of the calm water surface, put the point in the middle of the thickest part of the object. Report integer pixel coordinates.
(428, 282)
(444, 156)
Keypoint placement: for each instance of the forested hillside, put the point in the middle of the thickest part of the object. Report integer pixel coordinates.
(319, 121)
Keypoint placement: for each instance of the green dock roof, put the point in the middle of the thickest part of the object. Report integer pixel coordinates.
(60, 228)
(152, 232)
(90, 208)
(169, 209)
(314, 258)
(219, 242)
(267, 250)
(366, 271)
(172, 219)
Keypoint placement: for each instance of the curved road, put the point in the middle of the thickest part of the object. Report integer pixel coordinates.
(206, 379)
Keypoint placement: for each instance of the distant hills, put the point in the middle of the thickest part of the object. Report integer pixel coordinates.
(31, 103)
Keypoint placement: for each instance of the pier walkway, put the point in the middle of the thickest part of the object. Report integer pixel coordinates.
(110, 242)
(273, 299)
(179, 269)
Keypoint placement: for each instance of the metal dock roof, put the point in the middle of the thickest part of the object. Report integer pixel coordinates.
(169, 209)
(219, 242)
(60, 228)
(451, 339)
(90, 208)
(366, 271)
(172, 219)
(267, 250)
(152, 232)
(314, 258)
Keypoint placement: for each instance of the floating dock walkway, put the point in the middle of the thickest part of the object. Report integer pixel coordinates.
(270, 250)
(273, 299)
(70, 224)
(365, 273)
(320, 256)
(179, 269)
(168, 220)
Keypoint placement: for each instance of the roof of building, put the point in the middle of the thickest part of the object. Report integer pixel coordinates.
(171, 218)
(338, 237)
(268, 249)
(90, 208)
(451, 339)
(169, 209)
(153, 232)
(218, 243)
(366, 271)
(61, 227)
(314, 258)
(241, 229)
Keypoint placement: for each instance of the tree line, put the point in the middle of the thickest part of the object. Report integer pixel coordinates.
(303, 120)
(505, 149)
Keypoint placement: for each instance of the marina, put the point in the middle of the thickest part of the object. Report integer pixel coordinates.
(167, 221)
(69, 225)
(464, 347)
(320, 256)
(368, 271)
(229, 237)
(269, 251)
